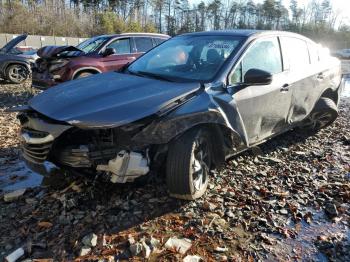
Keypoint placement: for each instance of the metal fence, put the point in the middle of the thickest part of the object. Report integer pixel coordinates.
(37, 41)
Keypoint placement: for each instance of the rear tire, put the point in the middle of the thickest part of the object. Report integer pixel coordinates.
(323, 115)
(17, 73)
(188, 164)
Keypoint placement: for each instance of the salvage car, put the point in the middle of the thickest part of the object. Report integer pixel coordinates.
(183, 107)
(15, 62)
(98, 54)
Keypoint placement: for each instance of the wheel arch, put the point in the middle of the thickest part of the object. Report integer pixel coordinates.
(92, 70)
(331, 94)
(13, 62)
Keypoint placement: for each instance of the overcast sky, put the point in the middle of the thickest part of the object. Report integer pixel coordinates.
(342, 6)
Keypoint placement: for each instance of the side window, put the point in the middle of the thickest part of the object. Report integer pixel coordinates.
(314, 54)
(296, 53)
(122, 46)
(264, 55)
(158, 41)
(143, 44)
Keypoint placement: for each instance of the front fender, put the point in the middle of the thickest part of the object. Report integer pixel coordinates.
(199, 110)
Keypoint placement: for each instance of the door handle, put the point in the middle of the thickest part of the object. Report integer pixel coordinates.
(285, 88)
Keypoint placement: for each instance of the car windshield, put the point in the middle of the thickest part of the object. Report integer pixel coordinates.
(92, 44)
(186, 58)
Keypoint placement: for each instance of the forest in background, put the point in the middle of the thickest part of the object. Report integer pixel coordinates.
(84, 18)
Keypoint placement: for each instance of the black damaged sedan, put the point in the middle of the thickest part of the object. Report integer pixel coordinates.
(186, 105)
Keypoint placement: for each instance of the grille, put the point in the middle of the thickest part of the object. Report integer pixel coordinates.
(34, 150)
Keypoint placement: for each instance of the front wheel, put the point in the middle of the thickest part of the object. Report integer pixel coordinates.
(324, 114)
(17, 73)
(188, 164)
(83, 74)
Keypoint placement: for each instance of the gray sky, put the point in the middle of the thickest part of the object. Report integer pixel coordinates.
(341, 6)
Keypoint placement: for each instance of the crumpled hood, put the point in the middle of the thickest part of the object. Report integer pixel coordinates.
(53, 51)
(108, 100)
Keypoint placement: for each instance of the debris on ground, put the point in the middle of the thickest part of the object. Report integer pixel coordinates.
(8, 197)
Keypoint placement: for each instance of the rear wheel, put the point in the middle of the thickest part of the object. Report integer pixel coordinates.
(17, 73)
(188, 164)
(324, 114)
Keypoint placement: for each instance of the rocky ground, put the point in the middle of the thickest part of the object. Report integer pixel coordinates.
(286, 200)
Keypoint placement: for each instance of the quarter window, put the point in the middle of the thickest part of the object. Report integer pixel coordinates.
(143, 44)
(158, 41)
(264, 55)
(121, 46)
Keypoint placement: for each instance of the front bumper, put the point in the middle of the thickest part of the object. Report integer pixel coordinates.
(43, 80)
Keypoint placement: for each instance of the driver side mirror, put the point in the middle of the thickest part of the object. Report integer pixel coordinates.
(109, 51)
(257, 77)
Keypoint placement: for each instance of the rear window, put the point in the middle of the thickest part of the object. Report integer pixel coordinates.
(314, 53)
(143, 44)
(295, 53)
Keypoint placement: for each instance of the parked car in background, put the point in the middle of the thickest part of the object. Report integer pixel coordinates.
(342, 54)
(98, 54)
(15, 61)
(187, 104)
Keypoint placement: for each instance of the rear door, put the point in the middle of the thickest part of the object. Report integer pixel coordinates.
(123, 54)
(303, 77)
(263, 108)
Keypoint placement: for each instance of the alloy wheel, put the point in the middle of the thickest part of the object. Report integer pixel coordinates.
(201, 163)
(17, 73)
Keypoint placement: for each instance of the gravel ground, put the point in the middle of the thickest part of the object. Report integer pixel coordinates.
(285, 200)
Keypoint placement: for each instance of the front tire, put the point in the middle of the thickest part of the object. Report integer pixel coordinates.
(323, 115)
(188, 164)
(17, 73)
(83, 74)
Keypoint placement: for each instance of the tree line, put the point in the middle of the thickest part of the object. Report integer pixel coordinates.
(84, 18)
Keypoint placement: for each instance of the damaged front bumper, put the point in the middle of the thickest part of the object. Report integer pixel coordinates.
(105, 151)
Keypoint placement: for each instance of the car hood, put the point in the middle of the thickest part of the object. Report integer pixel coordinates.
(108, 100)
(53, 51)
(11, 44)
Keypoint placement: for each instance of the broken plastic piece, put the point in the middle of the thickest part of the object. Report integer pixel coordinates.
(126, 167)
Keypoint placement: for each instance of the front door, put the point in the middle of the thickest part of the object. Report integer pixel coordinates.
(122, 56)
(263, 108)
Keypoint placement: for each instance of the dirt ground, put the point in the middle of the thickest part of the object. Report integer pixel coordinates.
(286, 200)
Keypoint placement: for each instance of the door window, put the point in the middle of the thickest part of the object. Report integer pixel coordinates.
(121, 46)
(265, 55)
(296, 53)
(143, 44)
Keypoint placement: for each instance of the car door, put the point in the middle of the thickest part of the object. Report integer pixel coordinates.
(123, 54)
(305, 78)
(263, 108)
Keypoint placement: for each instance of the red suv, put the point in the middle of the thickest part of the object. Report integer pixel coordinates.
(99, 54)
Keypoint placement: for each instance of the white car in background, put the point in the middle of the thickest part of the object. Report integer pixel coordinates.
(343, 54)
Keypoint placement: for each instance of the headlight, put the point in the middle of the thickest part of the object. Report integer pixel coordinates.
(57, 65)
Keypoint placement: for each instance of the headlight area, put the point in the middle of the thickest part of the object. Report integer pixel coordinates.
(57, 64)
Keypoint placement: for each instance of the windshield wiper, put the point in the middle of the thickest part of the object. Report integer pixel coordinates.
(152, 75)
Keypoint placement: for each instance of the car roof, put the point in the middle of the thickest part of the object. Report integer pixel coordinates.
(137, 34)
(247, 33)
